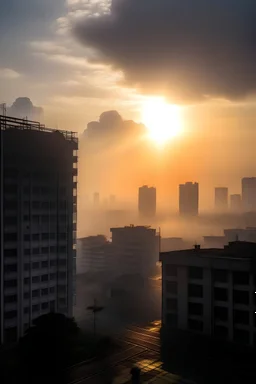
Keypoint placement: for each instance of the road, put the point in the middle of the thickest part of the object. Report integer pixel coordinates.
(140, 347)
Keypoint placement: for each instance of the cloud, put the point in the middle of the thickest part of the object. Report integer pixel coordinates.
(23, 107)
(7, 73)
(182, 49)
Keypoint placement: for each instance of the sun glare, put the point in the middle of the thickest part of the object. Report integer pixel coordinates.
(162, 120)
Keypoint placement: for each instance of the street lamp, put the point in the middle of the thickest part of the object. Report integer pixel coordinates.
(94, 308)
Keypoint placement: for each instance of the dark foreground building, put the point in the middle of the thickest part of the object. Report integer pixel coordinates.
(38, 223)
(211, 292)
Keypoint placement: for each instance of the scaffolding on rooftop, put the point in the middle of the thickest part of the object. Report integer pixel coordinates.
(8, 122)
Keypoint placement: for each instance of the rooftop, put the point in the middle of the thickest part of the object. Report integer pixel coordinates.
(7, 122)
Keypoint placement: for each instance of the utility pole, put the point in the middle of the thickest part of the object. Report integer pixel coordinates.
(94, 308)
(3, 105)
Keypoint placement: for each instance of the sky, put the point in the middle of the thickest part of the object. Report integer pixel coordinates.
(79, 58)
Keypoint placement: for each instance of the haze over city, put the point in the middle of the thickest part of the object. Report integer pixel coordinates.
(127, 191)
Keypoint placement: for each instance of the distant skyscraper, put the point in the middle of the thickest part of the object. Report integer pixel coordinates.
(188, 199)
(235, 203)
(147, 201)
(38, 184)
(249, 194)
(112, 201)
(221, 199)
(96, 199)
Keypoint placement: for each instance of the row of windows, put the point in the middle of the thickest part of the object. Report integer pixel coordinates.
(45, 250)
(45, 236)
(44, 278)
(45, 204)
(44, 264)
(219, 275)
(44, 219)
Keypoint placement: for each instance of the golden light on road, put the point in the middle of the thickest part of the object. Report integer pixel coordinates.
(163, 120)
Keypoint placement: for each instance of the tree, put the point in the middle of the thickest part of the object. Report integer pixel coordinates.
(47, 347)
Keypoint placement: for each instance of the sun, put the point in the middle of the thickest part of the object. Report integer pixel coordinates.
(162, 120)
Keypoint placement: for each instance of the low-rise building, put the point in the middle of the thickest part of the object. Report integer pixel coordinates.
(211, 291)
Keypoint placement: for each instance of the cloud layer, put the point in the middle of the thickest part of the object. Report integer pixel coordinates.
(185, 50)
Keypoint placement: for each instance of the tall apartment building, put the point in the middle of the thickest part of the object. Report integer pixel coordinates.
(235, 203)
(188, 199)
(249, 194)
(221, 199)
(147, 201)
(135, 250)
(38, 223)
(211, 291)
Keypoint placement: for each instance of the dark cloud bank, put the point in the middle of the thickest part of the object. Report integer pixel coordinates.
(188, 50)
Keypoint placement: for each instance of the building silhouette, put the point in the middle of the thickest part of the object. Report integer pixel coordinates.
(38, 223)
(249, 194)
(221, 199)
(211, 292)
(96, 199)
(147, 201)
(235, 203)
(188, 199)
(92, 254)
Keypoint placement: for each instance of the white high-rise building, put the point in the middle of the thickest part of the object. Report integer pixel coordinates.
(38, 223)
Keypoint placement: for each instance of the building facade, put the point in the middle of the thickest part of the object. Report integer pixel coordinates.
(147, 201)
(92, 254)
(221, 199)
(38, 223)
(235, 203)
(211, 291)
(188, 199)
(135, 250)
(249, 194)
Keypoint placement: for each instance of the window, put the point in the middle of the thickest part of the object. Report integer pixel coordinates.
(45, 250)
(195, 309)
(44, 190)
(241, 317)
(26, 266)
(63, 249)
(52, 305)
(35, 293)
(44, 291)
(171, 304)
(62, 275)
(10, 252)
(10, 204)
(53, 263)
(53, 218)
(195, 325)
(35, 307)
(10, 268)
(27, 251)
(62, 302)
(63, 218)
(171, 319)
(52, 276)
(10, 220)
(26, 218)
(195, 273)
(52, 249)
(26, 237)
(26, 280)
(52, 236)
(240, 278)
(52, 205)
(36, 190)
(45, 236)
(52, 290)
(63, 263)
(220, 294)
(221, 332)
(36, 205)
(44, 306)
(11, 283)
(26, 295)
(45, 205)
(10, 315)
(10, 237)
(63, 204)
(171, 287)
(241, 336)
(36, 251)
(10, 335)
(10, 299)
(35, 279)
(35, 265)
(44, 264)
(45, 219)
(195, 290)
(44, 278)
(35, 237)
(10, 189)
(221, 313)
(26, 204)
(241, 297)
(63, 236)
(36, 219)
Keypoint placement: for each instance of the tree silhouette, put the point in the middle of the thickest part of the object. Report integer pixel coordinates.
(47, 347)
